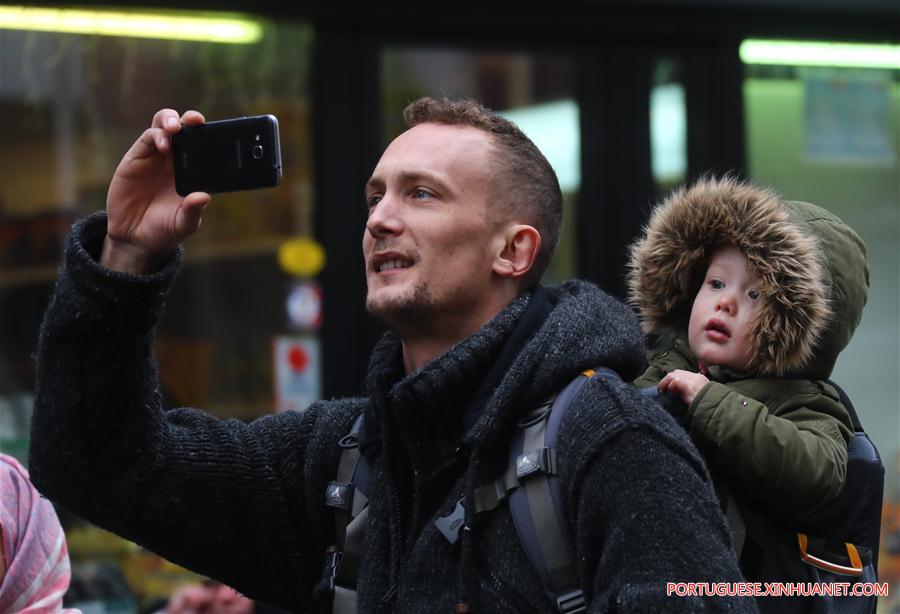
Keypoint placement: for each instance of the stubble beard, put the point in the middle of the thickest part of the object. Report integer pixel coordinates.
(410, 312)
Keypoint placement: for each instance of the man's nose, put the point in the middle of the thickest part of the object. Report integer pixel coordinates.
(384, 219)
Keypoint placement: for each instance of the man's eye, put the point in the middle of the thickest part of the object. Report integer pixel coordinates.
(420, 193)
(716, 284)
(373, 200)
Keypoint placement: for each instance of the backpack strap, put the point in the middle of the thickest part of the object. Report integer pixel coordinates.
(848, 405)
(536, 507)
(348, 495)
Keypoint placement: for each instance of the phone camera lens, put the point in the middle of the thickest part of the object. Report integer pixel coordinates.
(257, 152)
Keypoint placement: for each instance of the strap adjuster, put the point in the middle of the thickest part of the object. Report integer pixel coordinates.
(571, 602)
(339, 495)
(542, 460)
(451, 524)
(329, 569)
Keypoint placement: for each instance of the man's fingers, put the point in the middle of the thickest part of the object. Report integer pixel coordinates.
(192, 118)
(164, 118)
(190, 215)
(165, 123)
(151, 141)
(156, 137)
(196, 200)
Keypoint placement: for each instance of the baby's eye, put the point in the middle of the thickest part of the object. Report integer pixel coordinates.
(753, 294)
(716, 284)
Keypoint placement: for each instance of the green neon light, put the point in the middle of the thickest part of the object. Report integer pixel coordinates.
(800, 53)
(140, 25)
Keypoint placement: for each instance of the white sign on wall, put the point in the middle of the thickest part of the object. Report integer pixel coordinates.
(304, 306)
(848, 116)
(298, 368)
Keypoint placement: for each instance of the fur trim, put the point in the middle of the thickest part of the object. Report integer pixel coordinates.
(667, 267)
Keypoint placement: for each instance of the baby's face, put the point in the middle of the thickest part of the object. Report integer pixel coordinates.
(719, 325)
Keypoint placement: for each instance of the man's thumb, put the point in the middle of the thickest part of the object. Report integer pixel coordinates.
(190, 215)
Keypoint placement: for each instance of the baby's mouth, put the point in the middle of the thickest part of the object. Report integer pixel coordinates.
(717, 330)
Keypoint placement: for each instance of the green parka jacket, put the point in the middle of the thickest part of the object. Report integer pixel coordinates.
(777, 434)
(780, 441)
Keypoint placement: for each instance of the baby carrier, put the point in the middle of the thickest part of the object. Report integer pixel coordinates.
(831, 550)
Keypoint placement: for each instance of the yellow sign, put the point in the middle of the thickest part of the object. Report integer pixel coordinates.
(303, 257)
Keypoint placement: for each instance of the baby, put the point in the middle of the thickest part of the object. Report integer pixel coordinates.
(751, 299)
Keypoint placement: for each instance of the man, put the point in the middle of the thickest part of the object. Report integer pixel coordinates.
(464, 213)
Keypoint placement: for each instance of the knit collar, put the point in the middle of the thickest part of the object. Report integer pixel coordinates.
(584, 328)
(426, 408)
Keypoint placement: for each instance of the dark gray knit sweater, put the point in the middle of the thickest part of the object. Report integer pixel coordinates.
(244, 503)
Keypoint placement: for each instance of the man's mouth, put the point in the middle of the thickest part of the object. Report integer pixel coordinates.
(390, 262)
(393, 264)
(717, 330)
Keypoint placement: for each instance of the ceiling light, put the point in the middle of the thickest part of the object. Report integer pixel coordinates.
(800, 53)
(206, 28)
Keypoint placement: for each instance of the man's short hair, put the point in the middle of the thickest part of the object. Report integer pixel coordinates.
(530, 185)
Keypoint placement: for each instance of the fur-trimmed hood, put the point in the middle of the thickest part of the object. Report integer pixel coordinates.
(811, 266)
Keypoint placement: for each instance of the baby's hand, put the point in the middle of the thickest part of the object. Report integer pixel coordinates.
(683, 384)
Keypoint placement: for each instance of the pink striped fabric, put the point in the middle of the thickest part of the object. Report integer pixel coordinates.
(34, 547)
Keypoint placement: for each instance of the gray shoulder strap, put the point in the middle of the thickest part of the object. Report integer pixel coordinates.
(347, 494)
(536, 508)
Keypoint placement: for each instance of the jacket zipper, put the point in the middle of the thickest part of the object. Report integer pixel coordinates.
(416, 506)
(400, 540)
(386, 602)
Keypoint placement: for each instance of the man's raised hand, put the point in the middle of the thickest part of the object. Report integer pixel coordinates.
(147, 219)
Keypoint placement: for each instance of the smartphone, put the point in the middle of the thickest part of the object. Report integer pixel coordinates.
(227, 155)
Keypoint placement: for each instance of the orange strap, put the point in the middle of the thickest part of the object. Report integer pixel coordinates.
(852, 553)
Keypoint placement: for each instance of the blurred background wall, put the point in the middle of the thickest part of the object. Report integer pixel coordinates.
(627, 99)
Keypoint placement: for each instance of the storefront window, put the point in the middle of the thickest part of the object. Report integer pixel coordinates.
(536, 91)
(72, 104)
(829, 135)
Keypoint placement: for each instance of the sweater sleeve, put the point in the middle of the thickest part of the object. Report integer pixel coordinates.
(215, 496)
(793, 458)
(643, 508)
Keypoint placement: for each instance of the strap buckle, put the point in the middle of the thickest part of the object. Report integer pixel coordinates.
(571, 602)
(451, 524)
(541, 460)
(330, 567)
(339, 495)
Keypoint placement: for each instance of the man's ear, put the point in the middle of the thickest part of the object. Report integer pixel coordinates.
(521, 244)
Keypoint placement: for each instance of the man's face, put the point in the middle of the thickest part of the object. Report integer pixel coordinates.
(718, 332)
(430, 238)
